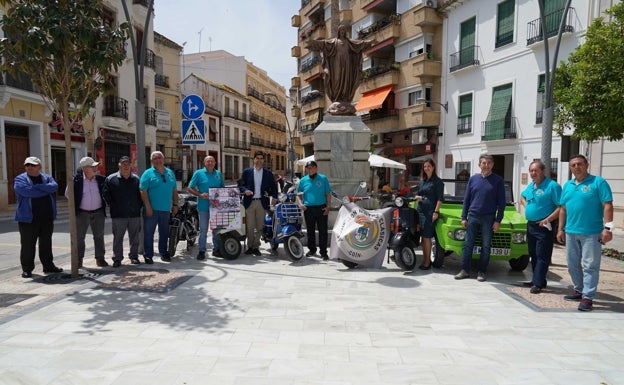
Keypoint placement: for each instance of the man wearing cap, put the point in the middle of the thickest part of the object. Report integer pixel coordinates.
(314, 197)
(90, 208)
(122, 194)
(35, 215)
(257, 184)
(203, 179)
(158, 193)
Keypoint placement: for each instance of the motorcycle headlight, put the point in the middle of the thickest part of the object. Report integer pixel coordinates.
(281, 197)
(399, 201)
(518, 237)
(459, 234)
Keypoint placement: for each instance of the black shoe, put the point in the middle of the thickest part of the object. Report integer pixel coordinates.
(249, 251)
(536, 290)
(165, 258)
(325, 257)
(26, 274)
(116, 263)
(201, 256)
(527, 283)
(586, 305)
(311, 253)
(577, 296)
(423, 267)
(149, 261)
(135, 260)
(257, 252)
(101, 262)
(53, 269)
(216, 253)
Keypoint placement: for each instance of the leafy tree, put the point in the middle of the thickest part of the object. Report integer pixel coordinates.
(589, 89)
(69, 52)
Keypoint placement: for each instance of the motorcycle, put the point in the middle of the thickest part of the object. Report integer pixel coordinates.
(184, 226)
(284, 224)
(404, 233)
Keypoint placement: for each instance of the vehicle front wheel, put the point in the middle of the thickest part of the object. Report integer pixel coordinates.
(229, 247)
(519, 264)
(437, 253)
(294, 248)
(405, 258)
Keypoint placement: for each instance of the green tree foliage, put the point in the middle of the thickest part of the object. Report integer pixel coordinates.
(68, 51)
(589, 89)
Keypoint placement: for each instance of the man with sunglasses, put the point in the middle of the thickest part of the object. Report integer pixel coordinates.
(160, 198)
(90, 208)
(35, 215)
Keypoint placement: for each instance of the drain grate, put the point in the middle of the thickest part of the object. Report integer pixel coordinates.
(8, 299)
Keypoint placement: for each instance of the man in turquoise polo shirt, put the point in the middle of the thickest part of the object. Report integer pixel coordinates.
(585, 223)
(314, 198)
(541, 199)
(202, 180)
(159, 194)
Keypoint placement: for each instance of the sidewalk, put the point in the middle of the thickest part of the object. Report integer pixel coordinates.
(265, 320)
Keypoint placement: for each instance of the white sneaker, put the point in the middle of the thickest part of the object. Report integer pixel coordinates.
(462, 274)
(481, 277)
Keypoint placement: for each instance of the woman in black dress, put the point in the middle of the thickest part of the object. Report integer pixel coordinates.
(430, 192)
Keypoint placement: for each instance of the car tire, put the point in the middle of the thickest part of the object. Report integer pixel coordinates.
(437, 253)
(519, 264)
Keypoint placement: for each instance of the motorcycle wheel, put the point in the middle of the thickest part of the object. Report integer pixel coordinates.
(294, 248)
(349, 264)
(230, 247)
(405, 258)
(174, 237)
(437, 253)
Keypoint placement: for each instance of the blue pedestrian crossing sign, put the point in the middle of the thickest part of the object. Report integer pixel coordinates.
(193, 131)
(193, 107)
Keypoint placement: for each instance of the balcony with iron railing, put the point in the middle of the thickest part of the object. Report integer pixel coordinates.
(553, 19)
(377, 77)
(467, 57)
(150, 116)
(161, 80)
(382, 28)
(115, 107)
(498, 129)
(21, 81)
(464, 125)
(236, 144)
(244, 117)
(380, 114)
(310, 63)
(150, 59)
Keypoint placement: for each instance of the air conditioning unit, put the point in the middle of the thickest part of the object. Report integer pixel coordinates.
(419, 136)
(377, 139)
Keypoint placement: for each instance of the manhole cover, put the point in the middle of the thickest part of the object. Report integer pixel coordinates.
(8, 299)
(158, 281)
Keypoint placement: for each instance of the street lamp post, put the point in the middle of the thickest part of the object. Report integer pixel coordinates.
(291, 151)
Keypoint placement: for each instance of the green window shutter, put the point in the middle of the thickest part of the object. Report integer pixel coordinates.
(499, 111)
(505, 26)
(465, 106)
(467, 41)
(541, 83)
(553, 11)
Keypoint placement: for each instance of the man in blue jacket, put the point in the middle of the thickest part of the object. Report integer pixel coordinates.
(35, 215)
(483, 209)
(257, 184)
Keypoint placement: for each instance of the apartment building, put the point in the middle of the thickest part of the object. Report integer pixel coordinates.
(494, 72)
(400, 71)
(267, 116)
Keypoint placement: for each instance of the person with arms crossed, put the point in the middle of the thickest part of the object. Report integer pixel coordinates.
(314, 197)
(585, 224)
(430, 194)
(541, 201)
(257, 184)
(122, 194)
(158, 193)
(35, 214)
(203, 179)
(483, 209)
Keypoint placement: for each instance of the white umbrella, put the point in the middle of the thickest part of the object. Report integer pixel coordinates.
(373, 160)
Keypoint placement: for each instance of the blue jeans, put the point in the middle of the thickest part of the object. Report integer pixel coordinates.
(204, 225)
(540, 241)
(160, 218)
(583, 254)
(476, 223)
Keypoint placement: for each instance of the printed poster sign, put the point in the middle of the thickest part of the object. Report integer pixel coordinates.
(225, 211)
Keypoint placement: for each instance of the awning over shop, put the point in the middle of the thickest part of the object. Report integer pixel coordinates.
(373, 99)
(312, 117)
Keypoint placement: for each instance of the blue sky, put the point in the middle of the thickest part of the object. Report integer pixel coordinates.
(260, 30)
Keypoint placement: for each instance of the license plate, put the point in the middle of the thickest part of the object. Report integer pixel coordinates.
(493, 251)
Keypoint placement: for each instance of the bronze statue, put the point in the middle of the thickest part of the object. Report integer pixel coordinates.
(342, 67)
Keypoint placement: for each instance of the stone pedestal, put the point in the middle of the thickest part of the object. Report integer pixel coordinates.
(341, 149)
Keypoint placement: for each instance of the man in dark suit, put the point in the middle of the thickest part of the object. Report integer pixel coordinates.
(257, 184)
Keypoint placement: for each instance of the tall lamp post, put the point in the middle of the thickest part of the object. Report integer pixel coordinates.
(291, 151)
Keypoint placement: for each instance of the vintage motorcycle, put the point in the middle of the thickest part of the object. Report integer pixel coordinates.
(404, 232)
(284, 224)
(184, 226)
